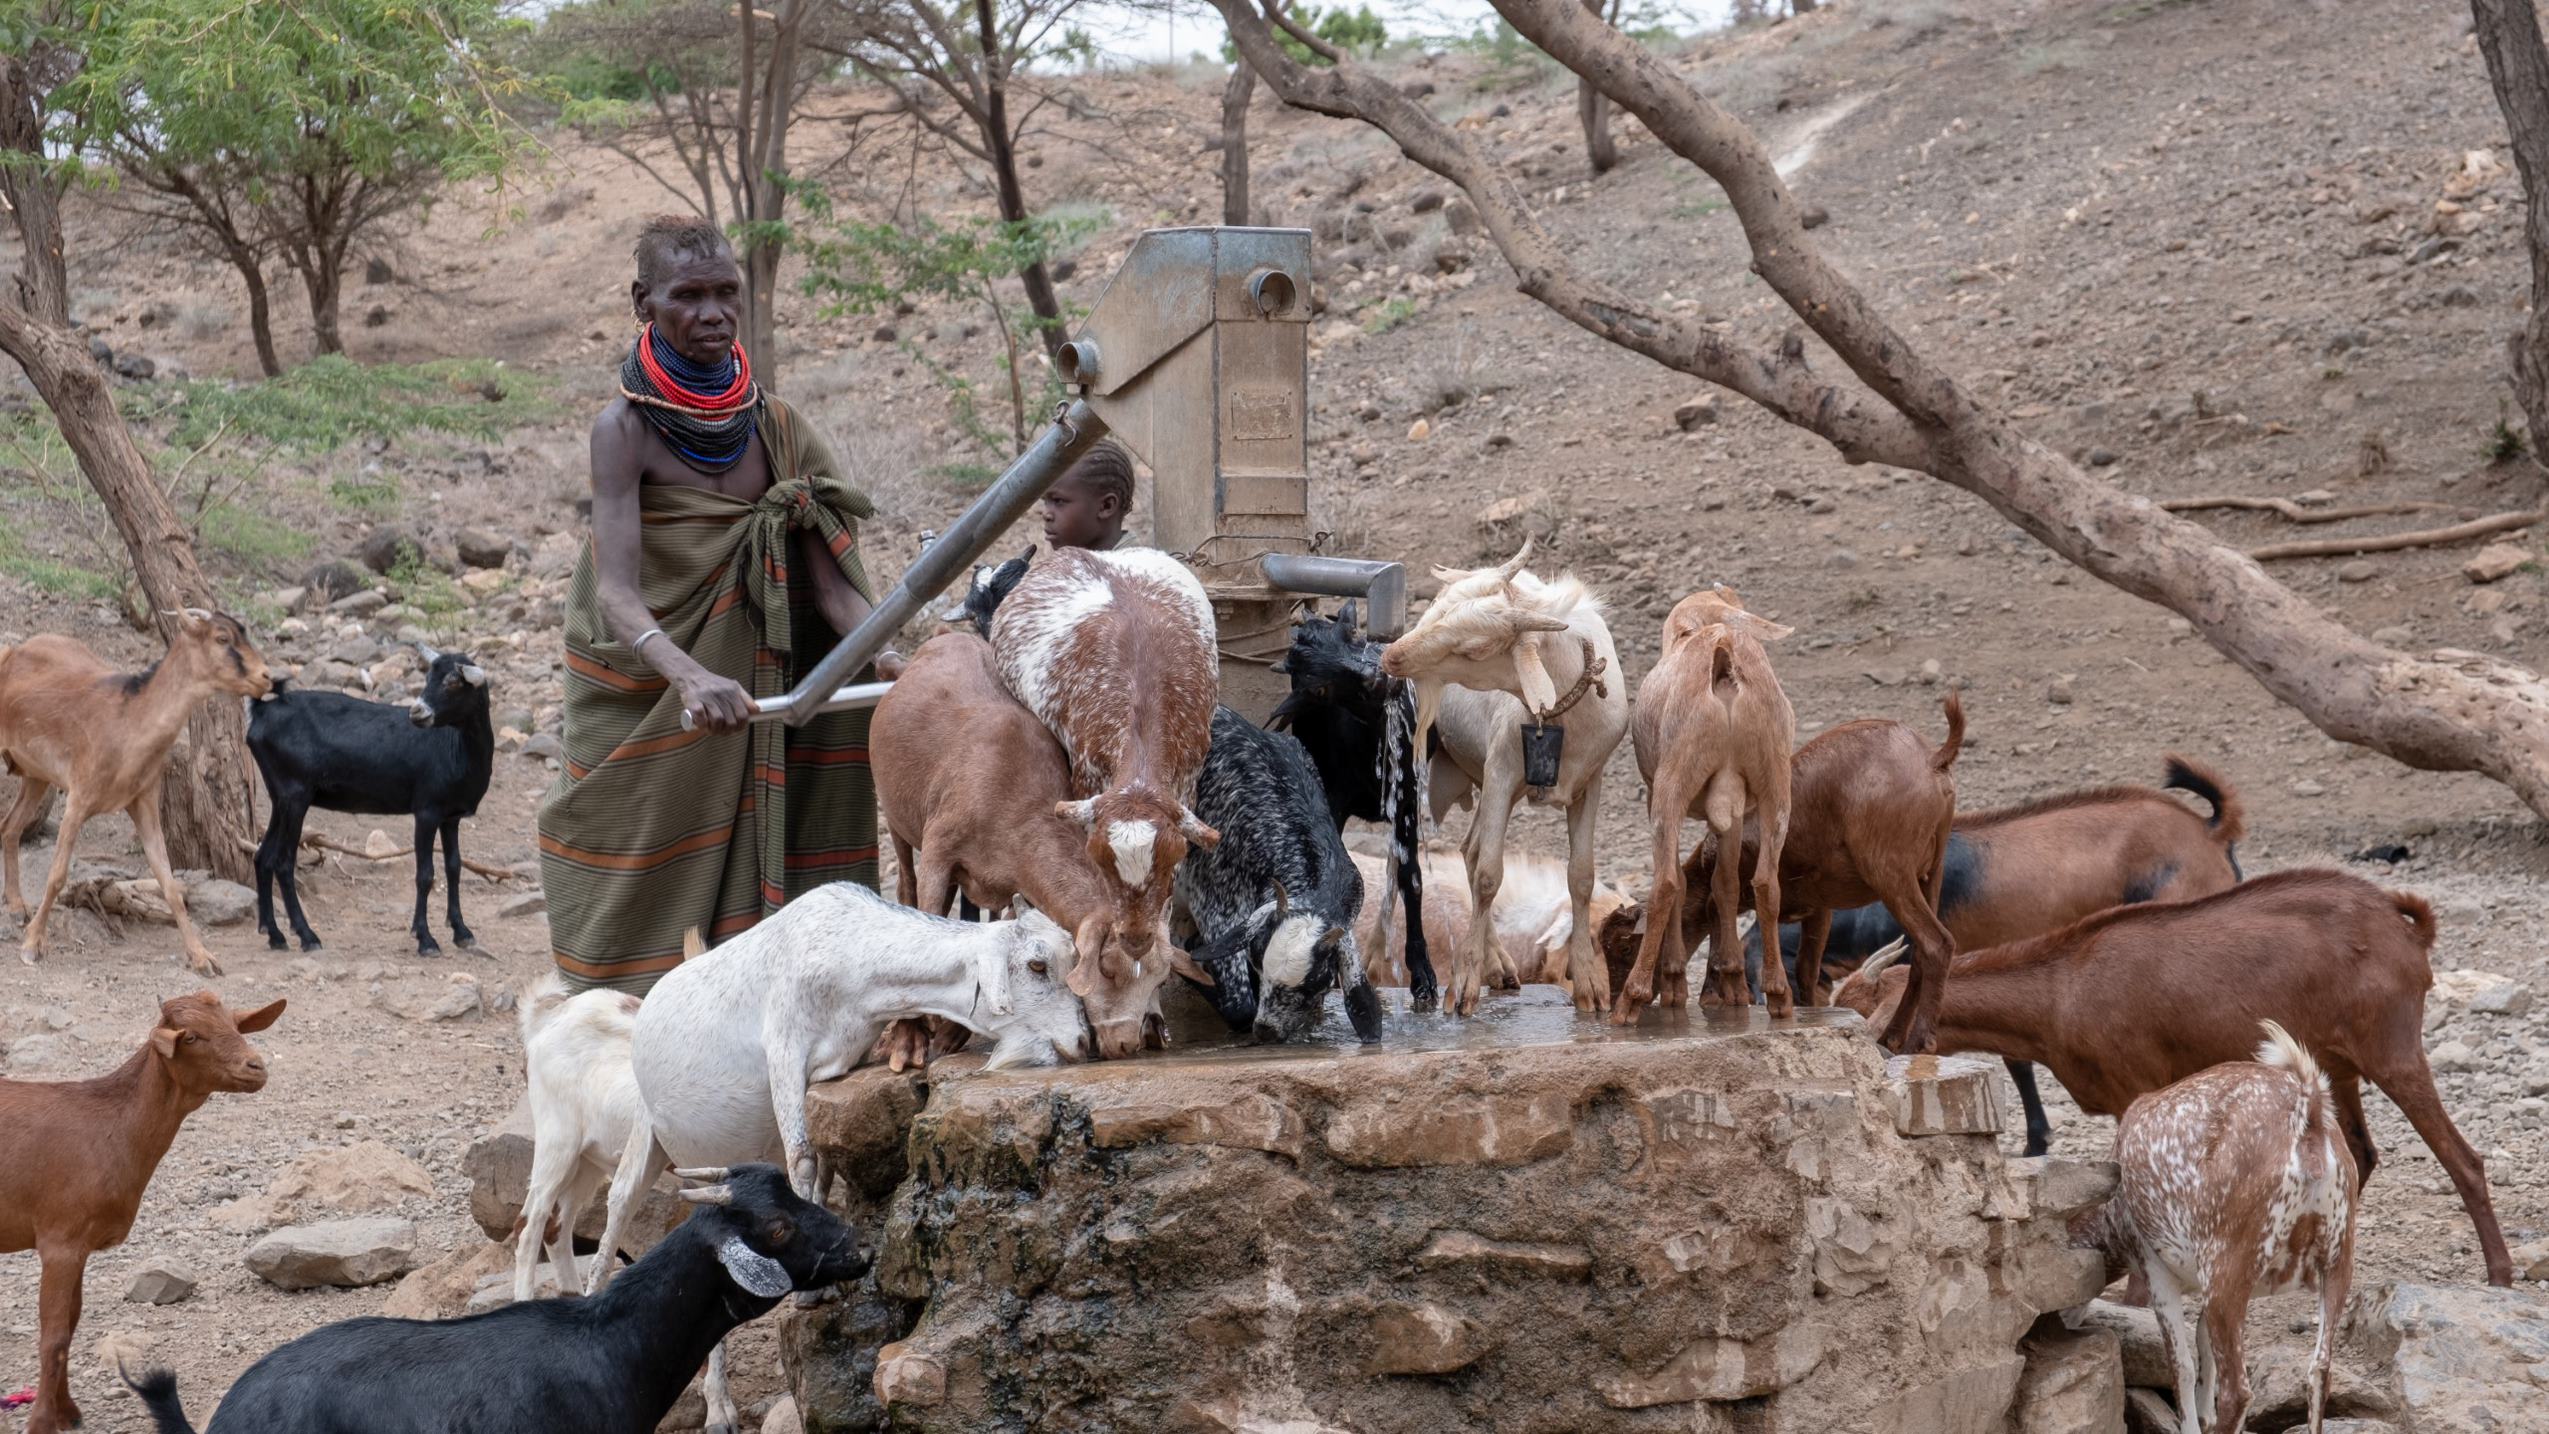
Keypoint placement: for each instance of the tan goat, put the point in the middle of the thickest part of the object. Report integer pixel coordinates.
(1712, 732)
(69, 720)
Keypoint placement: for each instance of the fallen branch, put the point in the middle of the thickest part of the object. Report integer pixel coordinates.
(316, 842)
(2286, 508)
(2392, 542)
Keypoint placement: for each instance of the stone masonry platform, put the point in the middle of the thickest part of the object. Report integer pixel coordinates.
(1524, 1222)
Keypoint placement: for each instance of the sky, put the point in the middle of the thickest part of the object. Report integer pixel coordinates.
(1130, 35)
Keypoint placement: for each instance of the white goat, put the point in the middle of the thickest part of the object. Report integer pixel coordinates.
(725, 1045)
(1512, 649)
(2237, 1182)
(1533, 915)
(584, 1103)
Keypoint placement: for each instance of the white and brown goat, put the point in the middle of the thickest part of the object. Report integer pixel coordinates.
(69, 720)
(2236, 1183)
(1114, 653)
(1498, 649)
(971, 788)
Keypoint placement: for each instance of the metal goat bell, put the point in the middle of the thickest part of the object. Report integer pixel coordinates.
(1542, 747)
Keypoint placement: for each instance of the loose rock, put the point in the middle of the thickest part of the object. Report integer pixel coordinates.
(2494, 562)
(343, 1254)
(1696, 413)
(482, 549)
(2361, 570)
(161, 1285)
(362, 1177)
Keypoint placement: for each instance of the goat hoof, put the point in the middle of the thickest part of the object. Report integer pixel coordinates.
(1424, 1001)
(203, 965)
(274, 941)
(428, 946)
(308, 943)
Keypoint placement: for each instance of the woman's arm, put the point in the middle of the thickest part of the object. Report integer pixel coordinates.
(841, 603)
(718, 704)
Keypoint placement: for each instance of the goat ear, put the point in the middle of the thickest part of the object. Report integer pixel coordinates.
(260, 1018)
(1539, 693)
(1191, 827)
(1349, 618)
(1762, 629)
(164, 1041)
(1083, 811)
(1088, 941)
(993, 977)
(1182, 961)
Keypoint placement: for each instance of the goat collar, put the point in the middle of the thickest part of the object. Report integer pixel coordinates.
(1589, 678)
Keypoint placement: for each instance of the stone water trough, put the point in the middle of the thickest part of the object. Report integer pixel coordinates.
(1524, 1222)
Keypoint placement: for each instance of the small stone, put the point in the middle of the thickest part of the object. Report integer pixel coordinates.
(1931, 672)
(2361, 570)
(212, 901)
(1814, 216)
(484, 582)
(2102, 457)
(2394, 636)
(1425, 201)
(480, 548)
(161, 1285)
(2060, 691)
(884, 334)
(285, 599)
(1506, 510)
(2452, 1056)
(545, 745)
(1696, 413)
(1421, 1339)
(376, 271)
(343, 1254)
(529, 903)
(463, 999)
(2305, 787)
(1417, 89)
(1420, 430)
(135, 367)
(1943, 1095)
(2504, 998)
(906, 1378)
(2494, 562)
(360, 1178)
(1842, 558)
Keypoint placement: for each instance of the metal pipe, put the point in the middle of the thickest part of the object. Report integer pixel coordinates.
(855, 697)
(1382, 585)
(953, 553)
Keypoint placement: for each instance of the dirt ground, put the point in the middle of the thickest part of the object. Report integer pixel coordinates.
(2191, 243)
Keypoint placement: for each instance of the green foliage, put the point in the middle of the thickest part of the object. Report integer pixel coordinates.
(2505, 443)
(430, 591)
(256, 539)
(1390, 315)
(369, 89)
(1356, 32)
(333, 400)
(862, 268)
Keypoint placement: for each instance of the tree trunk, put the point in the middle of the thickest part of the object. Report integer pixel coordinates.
(43, 287)
(2450, 711)
(2518, 68)
(1234, 143)
(260, 310)
(206, 801)
(1593, 111)
(1037, 281)
(321, 277)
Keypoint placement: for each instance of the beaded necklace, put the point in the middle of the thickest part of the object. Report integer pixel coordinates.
(707, 413)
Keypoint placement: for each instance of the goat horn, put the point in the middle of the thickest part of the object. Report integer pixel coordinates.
(1283, 902)
(708, 1195)
(473, 674)
(427, 649)
(1513, 565)
(712, 1173)
(1886, 955)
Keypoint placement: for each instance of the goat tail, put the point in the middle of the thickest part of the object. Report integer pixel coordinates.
(2282, 1052)
(1945, 756)
(156, 1386)
(538, 1001)
(2229, 820)
(2418, 915)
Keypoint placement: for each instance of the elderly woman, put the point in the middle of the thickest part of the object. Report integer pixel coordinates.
(724, 564)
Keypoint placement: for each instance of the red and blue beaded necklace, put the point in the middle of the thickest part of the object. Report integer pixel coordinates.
(705, 412)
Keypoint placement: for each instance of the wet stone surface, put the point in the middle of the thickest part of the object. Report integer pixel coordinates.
(1527, 1221)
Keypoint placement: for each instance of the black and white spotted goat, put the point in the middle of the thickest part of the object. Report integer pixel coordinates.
(1276, 899)
(1359, 728)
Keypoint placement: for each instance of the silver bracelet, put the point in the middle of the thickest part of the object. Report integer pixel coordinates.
(638, 648)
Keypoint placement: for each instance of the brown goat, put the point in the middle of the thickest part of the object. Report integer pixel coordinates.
(1712, 732)
(81, 1151)
(968, 782)
(1869, 809)
(69, 720)
(2132, 999)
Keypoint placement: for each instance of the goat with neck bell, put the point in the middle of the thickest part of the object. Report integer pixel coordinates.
(82, 1152)
(1499, 648)
(69, 720)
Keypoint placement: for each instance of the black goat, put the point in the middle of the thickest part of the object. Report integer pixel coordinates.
(990, 585)
(614, 1363)
(325, 749)
(1276, 898)
(1359, 729)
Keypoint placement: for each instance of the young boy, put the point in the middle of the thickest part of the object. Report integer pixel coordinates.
(1085, 507)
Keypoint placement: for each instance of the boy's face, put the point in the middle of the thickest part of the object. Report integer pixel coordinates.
(1078, 516)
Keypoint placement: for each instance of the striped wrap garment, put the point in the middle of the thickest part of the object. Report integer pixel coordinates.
(650, 831)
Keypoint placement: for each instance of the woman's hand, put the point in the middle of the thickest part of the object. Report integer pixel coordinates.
(715, 704)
